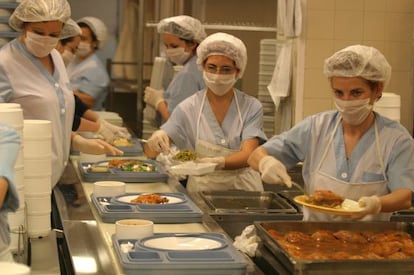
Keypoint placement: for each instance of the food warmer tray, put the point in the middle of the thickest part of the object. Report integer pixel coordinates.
(302, 266)
(112, 209)
(129, 151)
(239, 201)
(160, 175)
(224, 259)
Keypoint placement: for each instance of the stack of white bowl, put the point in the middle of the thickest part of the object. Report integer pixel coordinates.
(37, 176)
(267, 63)
(389, 106)
(12, 114)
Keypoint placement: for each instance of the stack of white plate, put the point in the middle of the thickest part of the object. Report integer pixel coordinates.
(111, 117)
(267, 63)
(37, 176)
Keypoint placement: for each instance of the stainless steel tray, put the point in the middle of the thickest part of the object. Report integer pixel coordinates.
(246, 202)
(299, 266)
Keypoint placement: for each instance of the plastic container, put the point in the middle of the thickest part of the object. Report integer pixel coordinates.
(12, 116)
(389, 106)
(37, 146)
(37, 204)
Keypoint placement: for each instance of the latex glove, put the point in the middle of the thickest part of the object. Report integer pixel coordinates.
(153, 97)
(106, 127)
(219, 160)
(274, 172)
(371, 205)
(94, 146)
(159, 142)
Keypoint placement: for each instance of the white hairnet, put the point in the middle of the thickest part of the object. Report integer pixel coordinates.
(223, 44)
(183, 26)
(98, 28)
(39, 11)
(358, 61)
(70, 29)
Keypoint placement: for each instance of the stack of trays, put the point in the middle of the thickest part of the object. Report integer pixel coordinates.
(178, 209)
(169, 253)
(267, 63)
(12, 114)
(37, 176)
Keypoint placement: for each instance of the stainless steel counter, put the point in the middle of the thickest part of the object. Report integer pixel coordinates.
(86, 244)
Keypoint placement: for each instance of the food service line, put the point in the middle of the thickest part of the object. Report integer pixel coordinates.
(89, 239)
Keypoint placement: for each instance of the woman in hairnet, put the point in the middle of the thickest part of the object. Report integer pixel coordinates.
(33, 74)
(222, 124)
(353, 151)
(87, 74)
(181, 36)
(85, 119)
(9, 199)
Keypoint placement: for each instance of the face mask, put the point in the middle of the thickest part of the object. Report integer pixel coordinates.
(40, 45)
(177, 55)
(83, 49)
(354, 112)
(219, 84)
(67, 57)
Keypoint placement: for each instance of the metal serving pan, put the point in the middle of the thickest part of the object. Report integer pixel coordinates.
(300, 266)
(239, 201)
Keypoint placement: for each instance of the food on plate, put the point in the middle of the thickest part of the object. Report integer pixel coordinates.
(150, 199)
(325, 198)
(132, 165)
(99, 169)
(121, 142)
(185, 155)
(346, 244)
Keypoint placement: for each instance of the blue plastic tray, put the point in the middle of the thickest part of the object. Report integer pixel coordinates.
(142, 259)
(160, 175)
(112, 209)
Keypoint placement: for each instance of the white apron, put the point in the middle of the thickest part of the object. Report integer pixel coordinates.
(350, 190)
(221, 180)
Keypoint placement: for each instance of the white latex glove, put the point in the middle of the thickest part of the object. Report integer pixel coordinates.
(94, 146)
(159, 142)
(274, 172)
(153, 97)
(248, 241)
(371, 205)
(219, 160)
(117, 131)
(106, 133)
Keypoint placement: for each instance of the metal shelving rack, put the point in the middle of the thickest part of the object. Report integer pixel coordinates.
(5, 20)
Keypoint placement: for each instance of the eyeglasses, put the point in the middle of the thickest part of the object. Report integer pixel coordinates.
(211, 68)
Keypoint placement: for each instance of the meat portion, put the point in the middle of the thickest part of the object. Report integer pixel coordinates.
(325, 198)
(323, 236)
(150, 199)
(350, 236)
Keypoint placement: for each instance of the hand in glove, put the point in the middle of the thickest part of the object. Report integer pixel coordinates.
(219, 160)
(370, 205)
(159, 142)
(110, 131)
(94, 146)
(153, 97)
(274, 172)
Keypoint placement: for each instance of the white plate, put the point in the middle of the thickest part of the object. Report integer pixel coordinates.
(182, 243)
(193, 168)
(347, 208)
(127, 199)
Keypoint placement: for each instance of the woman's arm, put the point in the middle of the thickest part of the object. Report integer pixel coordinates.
(397, 200)
(239, 159)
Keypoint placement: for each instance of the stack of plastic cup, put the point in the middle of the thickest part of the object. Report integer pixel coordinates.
(12, 114)
(37, 176)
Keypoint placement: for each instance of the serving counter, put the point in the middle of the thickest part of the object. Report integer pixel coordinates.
(85, 244)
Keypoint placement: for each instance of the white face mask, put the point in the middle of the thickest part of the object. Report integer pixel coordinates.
(219, 84)
(67, 57)
(40, 45)
(354, 112)
(177, 55)
(83, 49)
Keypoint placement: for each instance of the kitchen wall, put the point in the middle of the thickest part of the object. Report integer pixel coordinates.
(334, 24)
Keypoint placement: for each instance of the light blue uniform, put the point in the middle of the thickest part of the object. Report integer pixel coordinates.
(24, 80)
(184, 84)
(387, 157)
(9, 150)
(181, 127)
(90, 77)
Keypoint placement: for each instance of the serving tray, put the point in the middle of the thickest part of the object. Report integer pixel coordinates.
(160, 175)
(181, 210)
(140, 258)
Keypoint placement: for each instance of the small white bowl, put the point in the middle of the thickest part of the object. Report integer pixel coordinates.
(108, 188)
(134, 229)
